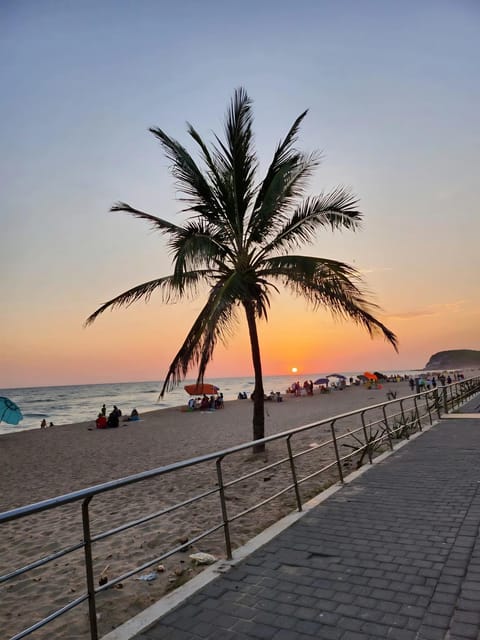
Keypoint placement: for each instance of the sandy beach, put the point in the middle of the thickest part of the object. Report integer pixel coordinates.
(41, 464)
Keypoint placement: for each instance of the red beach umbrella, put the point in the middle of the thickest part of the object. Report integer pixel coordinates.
(370, 376)
(200, 389)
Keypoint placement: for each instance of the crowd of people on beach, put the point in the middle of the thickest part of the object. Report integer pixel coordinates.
(273, 396)
(301, 390)
(206, 403)
(425, 383)
(113, 420)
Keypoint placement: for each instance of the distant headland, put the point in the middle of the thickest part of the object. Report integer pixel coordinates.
(454, 359)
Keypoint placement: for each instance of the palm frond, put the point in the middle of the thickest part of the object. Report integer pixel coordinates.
(191, 181)
(284, 156)
(214, 322)
(169, 286)
(337, 210)
(198, 245)
(286, 187)
(157, 223)
(332, 285)
(237, 159)
(286, 160)
(219, 184)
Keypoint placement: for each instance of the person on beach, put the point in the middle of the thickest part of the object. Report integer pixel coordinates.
(104, 410)
(133, 416)
(51, 424)
(112, 421)
(43, 424)
(101, 421)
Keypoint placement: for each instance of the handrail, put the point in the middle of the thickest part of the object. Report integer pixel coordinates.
(377, 431)
(74, 496)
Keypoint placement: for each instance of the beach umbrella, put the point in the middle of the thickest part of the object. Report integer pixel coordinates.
(370, 376)
(337, 375)
(9, 412)
(200, 389)
(321, 381)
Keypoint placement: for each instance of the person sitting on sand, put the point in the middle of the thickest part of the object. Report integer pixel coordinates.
(133, 416)
(205, 404)
(101, 421)
(219, 401)
(191, 404)
(112, 421)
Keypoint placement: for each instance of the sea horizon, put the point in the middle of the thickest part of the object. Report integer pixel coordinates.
(70, 404)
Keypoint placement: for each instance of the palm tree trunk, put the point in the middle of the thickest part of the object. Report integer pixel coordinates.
(258, 393)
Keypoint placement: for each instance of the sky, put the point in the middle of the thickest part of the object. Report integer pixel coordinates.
(394, 106)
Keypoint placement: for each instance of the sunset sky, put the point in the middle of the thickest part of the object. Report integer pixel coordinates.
(394, 105)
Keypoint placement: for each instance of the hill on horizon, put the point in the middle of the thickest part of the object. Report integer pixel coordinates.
(454, 359)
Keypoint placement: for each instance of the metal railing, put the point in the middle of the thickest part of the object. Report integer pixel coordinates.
(376, 429)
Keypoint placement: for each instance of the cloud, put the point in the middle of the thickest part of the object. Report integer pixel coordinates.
(431, 310)
(414, 313)
(375, 270)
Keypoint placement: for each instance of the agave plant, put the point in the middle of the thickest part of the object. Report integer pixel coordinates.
(237, 240)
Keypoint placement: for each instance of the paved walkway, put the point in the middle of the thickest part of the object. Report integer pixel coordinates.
(395, 554)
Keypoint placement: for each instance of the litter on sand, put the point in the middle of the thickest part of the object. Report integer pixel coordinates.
(202, 558)
(148, 577)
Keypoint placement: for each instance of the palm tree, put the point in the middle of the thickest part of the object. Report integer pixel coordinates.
(237, 240)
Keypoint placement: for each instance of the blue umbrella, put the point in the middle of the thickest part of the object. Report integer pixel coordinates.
(337, 375)
(9, 412)
(321, 381)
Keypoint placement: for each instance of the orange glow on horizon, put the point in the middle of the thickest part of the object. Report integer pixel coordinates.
(139, 343)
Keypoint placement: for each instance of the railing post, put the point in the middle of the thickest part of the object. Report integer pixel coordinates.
(335, 446)
(389, 435)
(427, 397)
(367, 444)
(404, 420)
(226, 527)
(417, 414)
(445, 401)
(87, 541)
(294, 474)
(437, 403)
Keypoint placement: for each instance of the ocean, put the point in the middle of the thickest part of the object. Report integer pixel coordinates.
(79, 403)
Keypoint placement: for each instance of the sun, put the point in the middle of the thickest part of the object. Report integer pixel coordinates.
(294, 370)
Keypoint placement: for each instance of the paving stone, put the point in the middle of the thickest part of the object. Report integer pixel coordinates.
(464, 630)
(431, 633)
(469, 617)
(401, 634)
(254, 630)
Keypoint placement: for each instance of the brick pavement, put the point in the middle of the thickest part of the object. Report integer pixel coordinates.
(395, 554)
